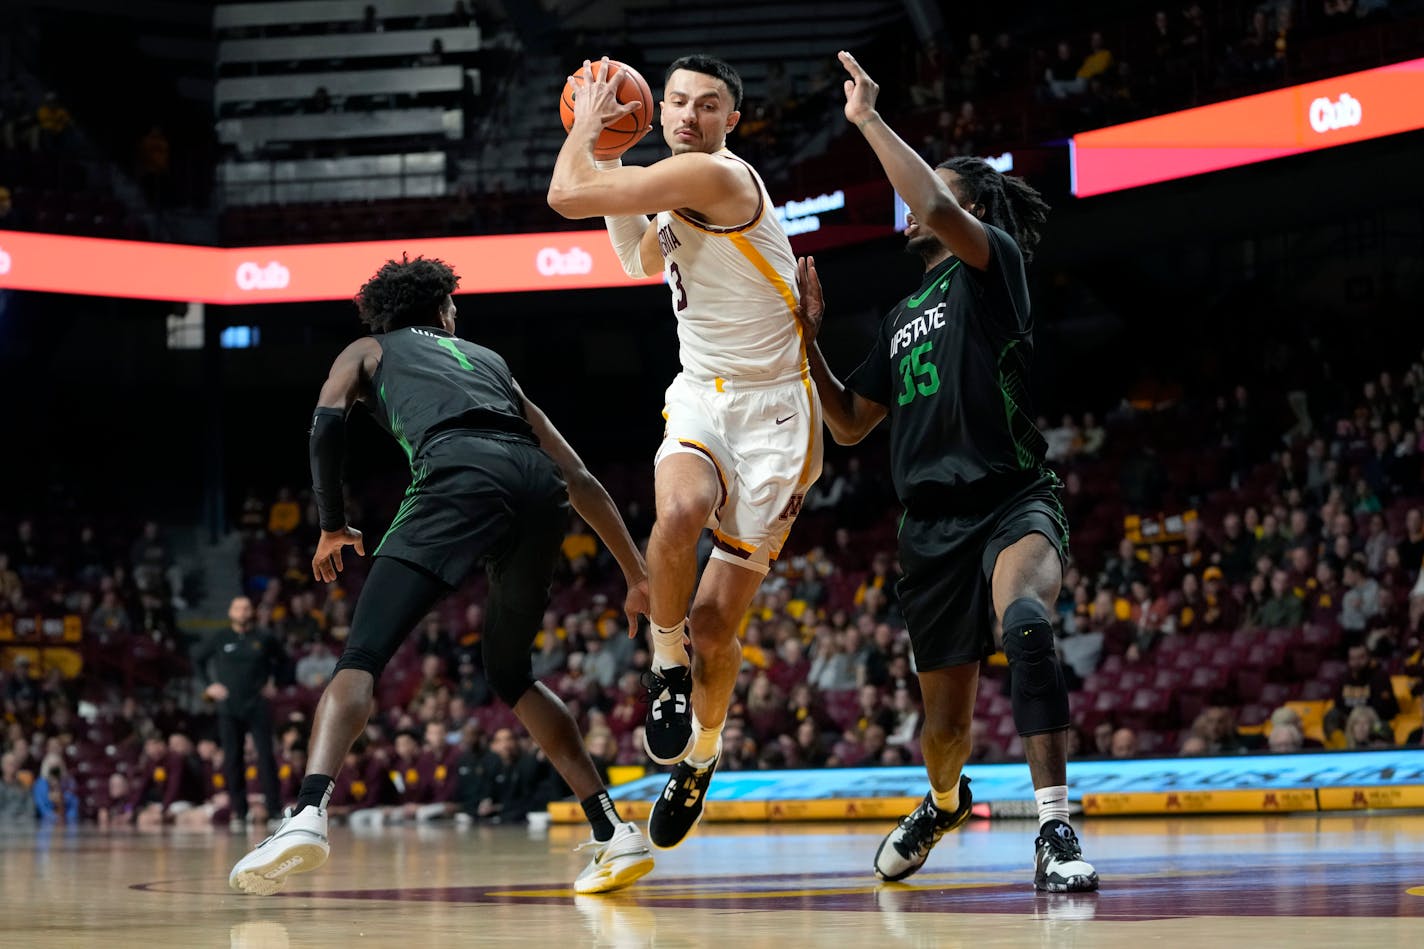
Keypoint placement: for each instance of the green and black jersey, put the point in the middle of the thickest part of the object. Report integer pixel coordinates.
(951, 363)
(430, 381)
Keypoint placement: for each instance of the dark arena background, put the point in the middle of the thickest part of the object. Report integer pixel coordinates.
(1228, 368)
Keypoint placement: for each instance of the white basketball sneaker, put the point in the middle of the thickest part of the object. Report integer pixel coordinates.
(298, 845)
(617, 862)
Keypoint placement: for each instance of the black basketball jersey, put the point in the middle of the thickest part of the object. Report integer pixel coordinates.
(951, 364)
(429, 381)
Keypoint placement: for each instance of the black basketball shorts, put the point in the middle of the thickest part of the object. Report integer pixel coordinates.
(948, 561)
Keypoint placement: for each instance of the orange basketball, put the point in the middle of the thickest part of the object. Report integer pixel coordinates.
(622, 134)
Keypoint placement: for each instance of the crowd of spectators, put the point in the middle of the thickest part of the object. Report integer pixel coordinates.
(44, 182)
(1280, 610)
(971, 94)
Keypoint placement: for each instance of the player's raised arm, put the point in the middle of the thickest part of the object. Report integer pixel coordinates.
(929, 197)
(592, 502)
(849, 416)
(327, 451)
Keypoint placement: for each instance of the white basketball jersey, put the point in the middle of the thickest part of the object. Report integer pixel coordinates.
(733, 292)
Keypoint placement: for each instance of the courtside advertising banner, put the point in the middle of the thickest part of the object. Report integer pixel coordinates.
(1351, 108)
(504, 263)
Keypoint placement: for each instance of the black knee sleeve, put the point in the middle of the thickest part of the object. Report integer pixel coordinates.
(1039, 694)
(397, 594)
(509, 672)
(362, 660)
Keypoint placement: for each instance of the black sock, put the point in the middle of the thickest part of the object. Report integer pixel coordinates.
(315, 792)
(602, 815)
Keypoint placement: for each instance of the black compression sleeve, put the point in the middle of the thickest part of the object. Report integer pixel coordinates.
(327, 451)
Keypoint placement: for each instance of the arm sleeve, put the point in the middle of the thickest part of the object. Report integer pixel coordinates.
(327, 450)
(626, 232)
(1003, 286)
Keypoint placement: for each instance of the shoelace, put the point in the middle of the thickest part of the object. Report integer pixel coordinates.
(1065, 845)
(656, 685)
(920, 828)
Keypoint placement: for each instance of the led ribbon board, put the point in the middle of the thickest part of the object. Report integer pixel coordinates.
(564, 260)
(1316, 115)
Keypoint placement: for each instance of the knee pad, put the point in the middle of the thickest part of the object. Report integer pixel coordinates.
(1039, 693)
(509, 681)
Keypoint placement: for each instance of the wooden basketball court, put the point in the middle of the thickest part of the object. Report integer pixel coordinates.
(1261, 881)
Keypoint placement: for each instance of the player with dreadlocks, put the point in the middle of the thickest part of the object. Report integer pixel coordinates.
(983, 539)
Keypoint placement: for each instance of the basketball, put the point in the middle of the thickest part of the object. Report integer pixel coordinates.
(622, 134)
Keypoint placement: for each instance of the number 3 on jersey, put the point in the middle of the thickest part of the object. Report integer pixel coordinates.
(912, 366)
(681, 303)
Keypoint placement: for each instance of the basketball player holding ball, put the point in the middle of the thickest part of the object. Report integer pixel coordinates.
(743, 438)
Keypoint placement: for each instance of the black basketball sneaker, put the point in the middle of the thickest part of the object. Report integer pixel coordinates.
(667, 728)
(1058, 863)
(906, 848)
(678, 809)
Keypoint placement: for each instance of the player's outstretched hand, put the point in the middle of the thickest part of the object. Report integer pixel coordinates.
(636, 603)
(811, 308)
(596, 103)
(860, 91)
(326, 564)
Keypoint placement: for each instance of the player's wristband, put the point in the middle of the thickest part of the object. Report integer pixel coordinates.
(327, 450)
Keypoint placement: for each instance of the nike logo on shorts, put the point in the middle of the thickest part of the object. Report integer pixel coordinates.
(787, 419)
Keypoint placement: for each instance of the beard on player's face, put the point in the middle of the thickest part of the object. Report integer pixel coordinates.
(924, 245)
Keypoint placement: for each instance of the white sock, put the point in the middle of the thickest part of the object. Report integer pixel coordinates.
(705, 742)
(669, 648)
(1052, 804)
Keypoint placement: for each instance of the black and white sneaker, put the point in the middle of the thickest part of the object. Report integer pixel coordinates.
(906, 848)
(678, 809)
(1058, 865)
(667, 729)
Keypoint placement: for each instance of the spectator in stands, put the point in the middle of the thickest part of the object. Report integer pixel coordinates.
(834, 667)
(1124, 743)
(153, 156)
(1285, 739)
(1061, 76)
(370, 22)
(285, 515)
(1365, 684)
(1284, 608)
(110, 622)
(579, 547)
(500, 788)
(974, 68)
(9, 218)
(55, 123)
(1099, 59)
(1362, 596)
(1219, 607)
(10, 586)
(928, 87)
(434, 640)
(55, 794)
(1365, 729)
(314, 670)
(304, 623)
(1234, 553)
(1216, 727)
(16, 805)
(1190, 605)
